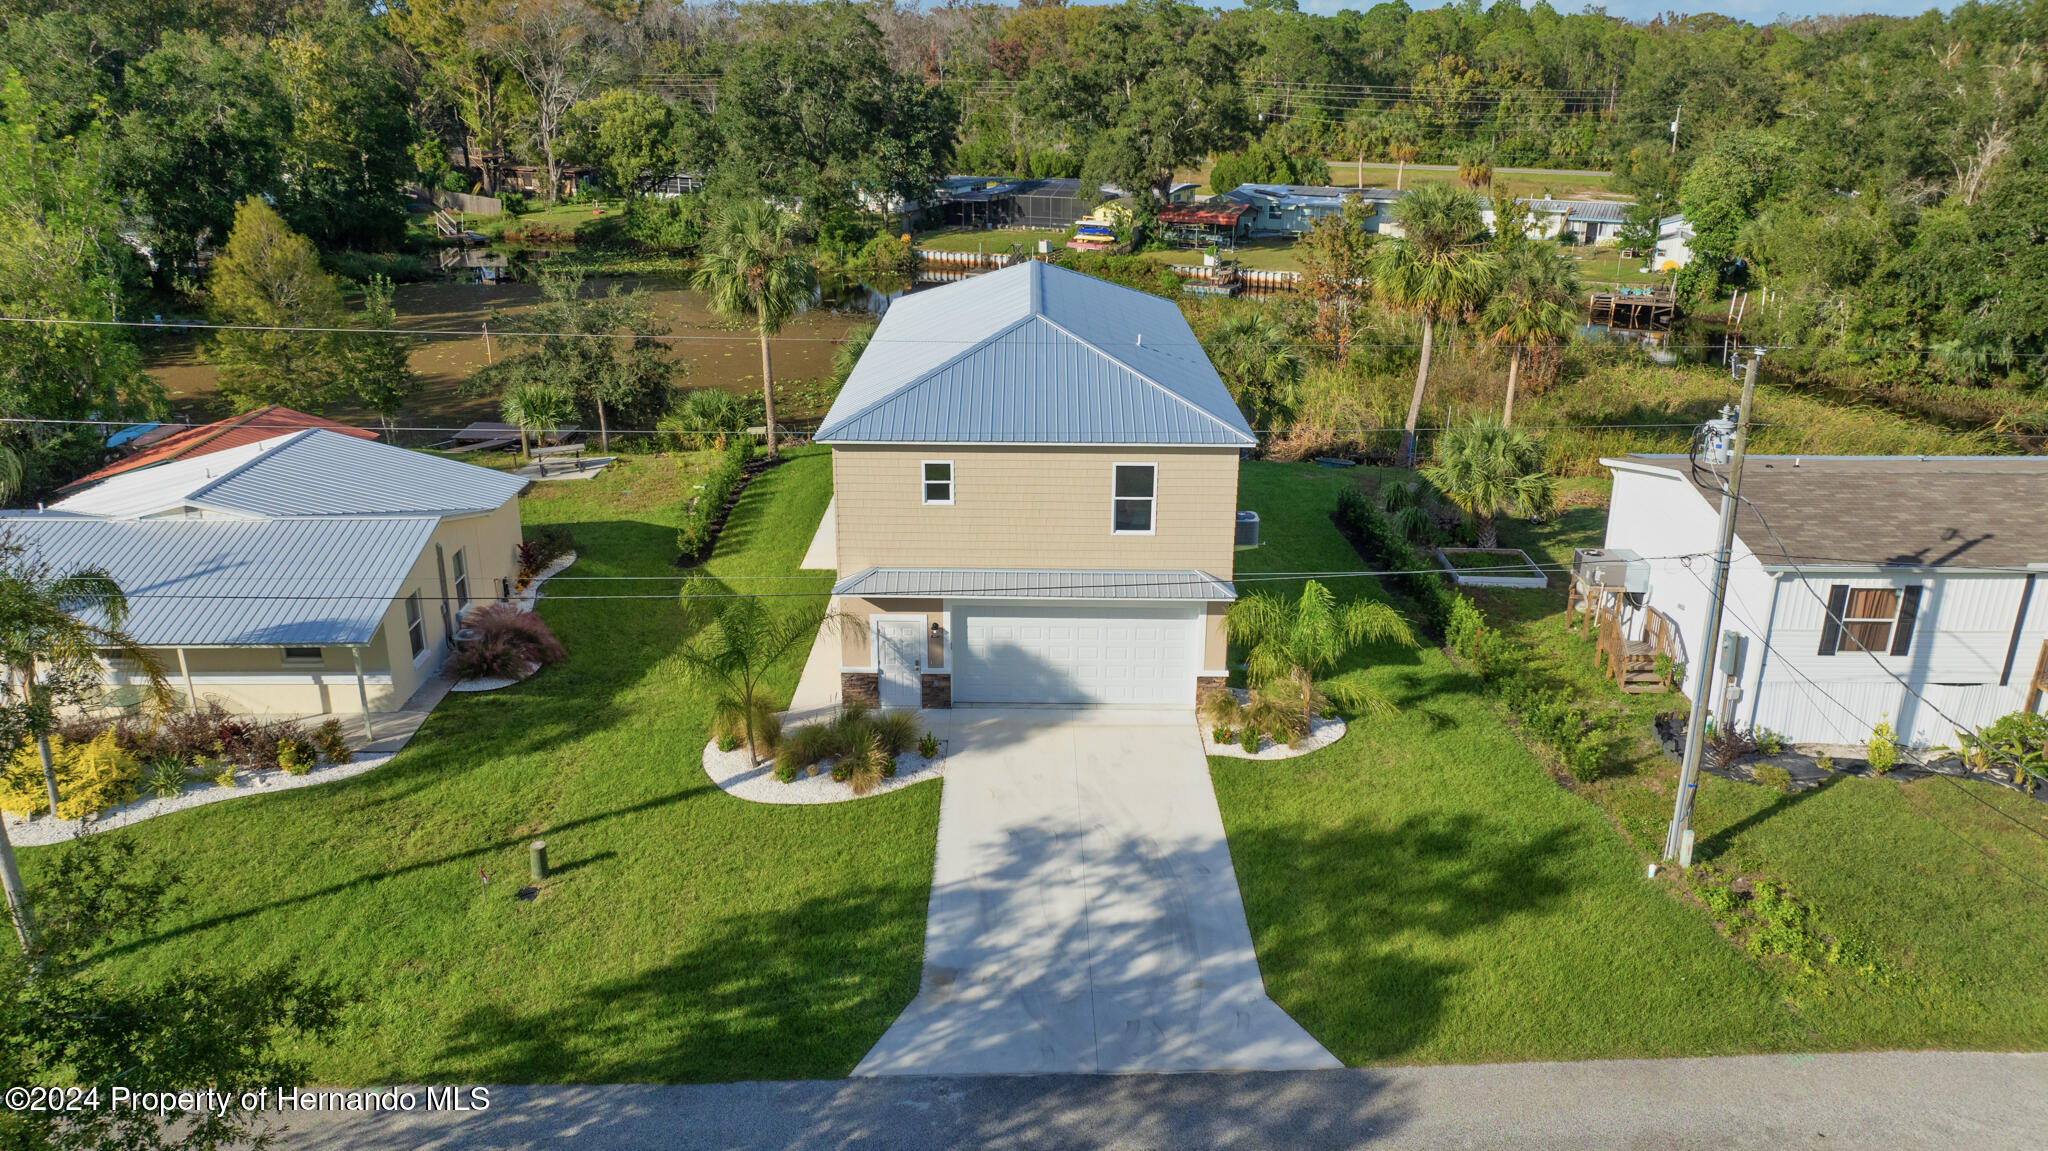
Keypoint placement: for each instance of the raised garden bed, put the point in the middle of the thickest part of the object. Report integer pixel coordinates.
(1492, 567)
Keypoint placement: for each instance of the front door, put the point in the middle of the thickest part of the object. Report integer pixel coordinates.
(899, 656)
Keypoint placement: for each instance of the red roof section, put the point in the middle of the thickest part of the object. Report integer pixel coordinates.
(205, 439)
(1221, 214)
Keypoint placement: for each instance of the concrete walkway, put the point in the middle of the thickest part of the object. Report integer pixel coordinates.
(1084, 916)
(1930, 1101)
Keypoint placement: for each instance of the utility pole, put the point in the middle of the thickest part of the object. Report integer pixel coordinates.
(1674, 128)
(1678, 841)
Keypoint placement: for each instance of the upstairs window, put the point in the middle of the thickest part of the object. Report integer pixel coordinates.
(1135, 494)
(938, 481)
(1874, 619)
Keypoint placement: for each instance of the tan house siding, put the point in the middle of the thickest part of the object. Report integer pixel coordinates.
(1215, 638)
(1026, 507)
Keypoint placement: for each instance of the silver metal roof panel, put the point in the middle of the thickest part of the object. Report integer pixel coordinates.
(233, 582)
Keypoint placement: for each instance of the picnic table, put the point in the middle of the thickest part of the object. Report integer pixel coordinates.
(572, 452)
(489, 435)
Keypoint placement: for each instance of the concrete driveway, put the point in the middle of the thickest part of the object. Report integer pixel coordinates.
(1084, 916)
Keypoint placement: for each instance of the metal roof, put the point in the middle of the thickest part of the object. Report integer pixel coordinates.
(178, 442)
(1034, 354)
(1026, 583)
(309, 473)
(227, 582)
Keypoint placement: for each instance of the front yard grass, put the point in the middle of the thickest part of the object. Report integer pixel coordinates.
(685, 936)
(1426, 890)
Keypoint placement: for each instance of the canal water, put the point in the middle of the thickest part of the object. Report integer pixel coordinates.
(715, 353)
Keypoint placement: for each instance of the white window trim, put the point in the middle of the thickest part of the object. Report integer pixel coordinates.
(426, 645)
(952, 477)
(1153, 499)
(459, 562)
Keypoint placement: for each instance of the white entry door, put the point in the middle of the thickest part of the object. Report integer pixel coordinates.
(1077, 654)
(899, 656)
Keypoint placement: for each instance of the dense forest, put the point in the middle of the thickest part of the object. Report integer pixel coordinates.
(1884, 179)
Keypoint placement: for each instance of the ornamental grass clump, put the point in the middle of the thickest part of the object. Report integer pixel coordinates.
(509, 644)
(861, 744)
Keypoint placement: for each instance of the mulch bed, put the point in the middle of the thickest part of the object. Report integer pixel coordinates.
(1807, 774)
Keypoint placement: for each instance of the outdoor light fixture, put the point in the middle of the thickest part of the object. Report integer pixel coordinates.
(938, 632)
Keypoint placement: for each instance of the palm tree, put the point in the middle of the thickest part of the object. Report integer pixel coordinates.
(1289, 644)
(1489, 469)
(1535, 304)
(537, 405)
(1254, 356)
(734, 656)
(753, 267)
(849, 352)
(1428, 274)
(1402, 154)
(53, 628)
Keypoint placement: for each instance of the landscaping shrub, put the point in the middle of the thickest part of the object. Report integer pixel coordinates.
(928, 747)
(296, 754)
(331, 743)
(546, 545)
(2017, 742)
(729, 728)
(1390, 550)
(167, 779)
(224, 775)
(1767, 741)
(707, 510)
(707, 418)
(1883, 750)
(866, 762)
(91, 777)
(1774, 777)
(857, 740)
(508, 643)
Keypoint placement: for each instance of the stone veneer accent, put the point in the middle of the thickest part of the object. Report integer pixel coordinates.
(937, 690)
(860, 687)
(1205, 685)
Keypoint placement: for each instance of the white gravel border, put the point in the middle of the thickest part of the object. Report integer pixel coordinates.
(42, 832)
(732, 773)
(1321, 734)
(525, 601)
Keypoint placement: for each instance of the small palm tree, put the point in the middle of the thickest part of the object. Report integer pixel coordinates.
(54, 627)
(1535, 305)
(1289, 644)
(1428, 274)
(734, 656)
(536, 405)
(752, 266)
(850, 350)
(1254, 356)
(1490, 470)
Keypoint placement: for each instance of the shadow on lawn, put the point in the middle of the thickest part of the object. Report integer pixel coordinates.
(1357, 900)
(798, 992)
(1713, 846)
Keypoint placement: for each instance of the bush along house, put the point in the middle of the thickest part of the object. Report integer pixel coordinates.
(1863, 589)
(1034, 499)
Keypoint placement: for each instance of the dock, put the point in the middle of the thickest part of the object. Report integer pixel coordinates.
(1650, 308)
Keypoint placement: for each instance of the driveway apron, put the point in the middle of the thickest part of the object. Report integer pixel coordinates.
(1084, 916)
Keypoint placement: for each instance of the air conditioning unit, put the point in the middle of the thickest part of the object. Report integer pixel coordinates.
(1619, 568)
(1247, 529)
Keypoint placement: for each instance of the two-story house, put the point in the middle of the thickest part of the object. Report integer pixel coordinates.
(1035, 491)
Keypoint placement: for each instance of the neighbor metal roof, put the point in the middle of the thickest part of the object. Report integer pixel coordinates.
(226, 582)
(1034, 354)
(1025, 583)
(1889, 511)
(309, 473)
(267, 423)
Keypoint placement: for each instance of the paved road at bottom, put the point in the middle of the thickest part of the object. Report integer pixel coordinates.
(1882, 1101)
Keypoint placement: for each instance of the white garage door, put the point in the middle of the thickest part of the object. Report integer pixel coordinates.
(1136, 654)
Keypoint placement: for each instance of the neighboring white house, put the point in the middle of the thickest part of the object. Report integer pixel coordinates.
(1863, 588)
(308, 573)
(1674, 245)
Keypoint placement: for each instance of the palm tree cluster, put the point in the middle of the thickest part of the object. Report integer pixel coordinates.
(1290, 645)
(1489, 470)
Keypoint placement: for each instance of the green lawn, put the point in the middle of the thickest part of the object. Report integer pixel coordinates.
(1427, 891)
(991, 239)
(685, 936)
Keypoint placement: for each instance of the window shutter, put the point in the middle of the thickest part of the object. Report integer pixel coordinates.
(1909, 608)
(1831, 629)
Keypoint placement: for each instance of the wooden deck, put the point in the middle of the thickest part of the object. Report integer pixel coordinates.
(1655, 309)
(1632, 662)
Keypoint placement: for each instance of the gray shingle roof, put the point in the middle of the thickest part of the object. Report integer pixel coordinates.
(1025, 583)
(226, 582)
(1915, 511)
(309, 473)
(1034, 354)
